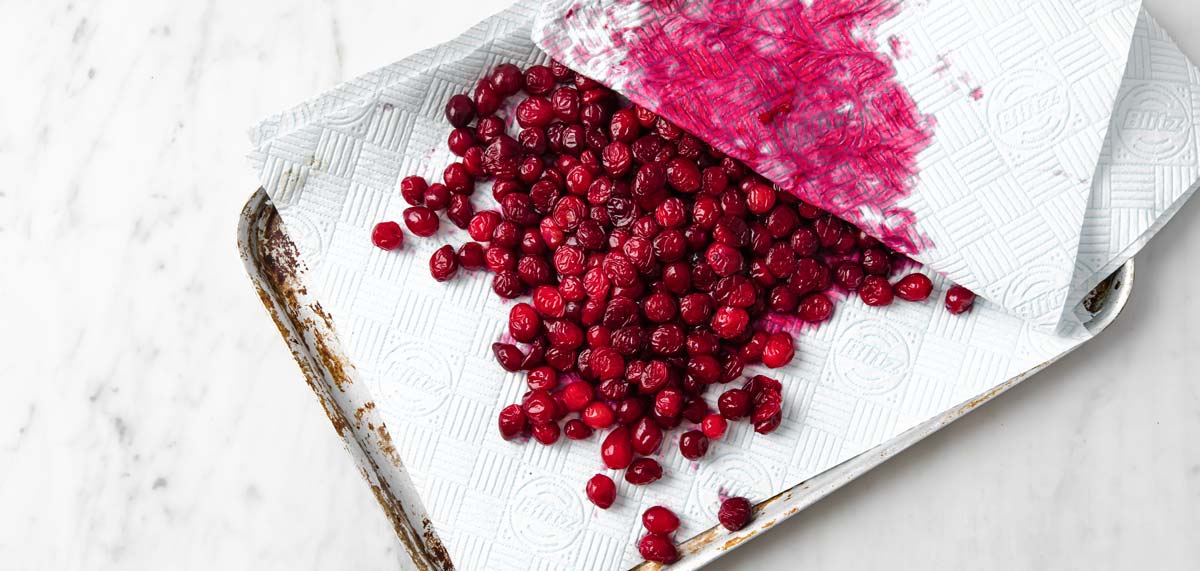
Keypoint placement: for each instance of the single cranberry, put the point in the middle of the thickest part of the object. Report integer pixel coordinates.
(488, 129)
(512, 421)
(421, 221)
(760, 198)
(460, 110)
(913, 287)
(734, 513)
(471, 256)
(668, 402)
(507, 284)
(561, 72)
(534, 271)
(646, 436)
(387, 236)
(535, 111)
(565, 101)
(602, 491)
(577, 395)
(606, 363)
(693, 444)
(660, 520)
(412, 189)
(643, 471)
(540, 407)
(713, 426)
(547, 433)
(729, 322)
(657, 548)
(778, 350)
(725, 260)
(543, 377)
(524, 323)
(630, 409)
(734, 404)
(443, 264)
(616, 450)
(959, 299)
(437, 196)
(460, 140)
(508, 355)
(815, 308)
(876, 261)
(598, 415)
(507, 79)
(683, 175)
(460, 211)
(848, 275)
(539, 80)
(875, 291)
(502, 158)
(575, 429)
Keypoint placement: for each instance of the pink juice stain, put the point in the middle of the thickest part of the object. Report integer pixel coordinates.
(800, 93)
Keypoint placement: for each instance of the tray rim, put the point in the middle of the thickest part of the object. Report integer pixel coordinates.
(276, 272)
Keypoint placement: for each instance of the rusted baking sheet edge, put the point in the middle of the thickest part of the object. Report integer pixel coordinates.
(277, 272)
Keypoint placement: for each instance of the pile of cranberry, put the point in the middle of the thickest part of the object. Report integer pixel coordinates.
(651, 259)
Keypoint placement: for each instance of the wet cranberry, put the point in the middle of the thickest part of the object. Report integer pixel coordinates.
(421, 221)
(443, 264)
(488, 129)
(577, 395)
(668, 402)
(460, 140)
(412, 190)
(643, 471)
(875, 291)
(624, 126)
(657, 548)
(616, 450)
(539, 80)
(502, 158)
(543, 377)
(602, 491)
(913, 287)
(734, 404)
(646, 436)
(725, 260)
(598, 415)
(437, 196)
(959, 299)
(460, 110)
(540, 407)
(778, 350)
(693, 444)
(630, 409)
(606, 363)
(660, 520)
(524, 323)
(713, 426)
(815, 308)
(507, 284)
(512, 421)
(876, 261)
(470, 256)
(848, 275)
(565, 102)
(507, 79)
(561, 72)
(575, 429)
(729, 322)
(535, 111)
(734, 513)
(547, 433)
(387, 236)
(683, 174)
(760, 198)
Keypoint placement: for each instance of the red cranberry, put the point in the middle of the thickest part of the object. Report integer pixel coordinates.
(778, 351)
(598, 415)
(507, 284)
(646, 436)
(412, 189)
(512, 421)
(734, 404)
(437, 196)
(508, 355)
(443, 264)
(616, 450)
(760, 198)
(729, 322)
(546, 433)
(561, 72)
(959, 299)
(660, 520)
(577, 395)
(602, 491)
(606, 363)
(693, 444)
(460, 211)
(539, 80)
(487, 130)
(657, 548)
(913, 287)
(543, 378)
(460, 140)
(876, 261)
(540, 407)
(643, 471)
(565, 101)
(815, 308)
(507, 79)
(848, 275)
(524, 323)
(575, 429)
(734, 513)
(683, 174)
(502, 158)
(387, 236)
(420, 221)
(471, 256)
(535, 111)
(668, 402)
(713, 426)
(875, 291)
(460, 110)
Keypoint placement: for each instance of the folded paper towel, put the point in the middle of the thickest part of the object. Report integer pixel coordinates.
(332, 166)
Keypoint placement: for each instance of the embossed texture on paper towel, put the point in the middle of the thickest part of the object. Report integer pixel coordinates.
(332, 167)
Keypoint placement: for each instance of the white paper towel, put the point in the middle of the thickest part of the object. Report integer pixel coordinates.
(332, 167)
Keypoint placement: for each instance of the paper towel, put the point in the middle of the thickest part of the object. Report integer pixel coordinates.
(332, 167)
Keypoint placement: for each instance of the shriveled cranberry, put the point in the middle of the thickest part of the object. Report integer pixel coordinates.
(507, 284)
(660, 520)
(734, 404)
(646, 436)
(387, 236)
(734, 513)
(539, 80)
(502, 158)
(487, 129)
(443, 264)
(815, 308)
(561, 72)
(577, 395)
(507, 79)
(713, 426)
(913, 287)
(667, 339)
(547, 433)
(875, 291)
(412, 189)
(606, 363)
(617, 450)
(543, 377)
(575, 429)
(535, 111)
(683, 175)
(460, 140)
(876, 261)
(470, 256)
(460, 110)
(729, 322)
(534, 271)
(524, 323)
(725, 260)
(778, 350)
(624, 126)
(420, 221)
(540, 407)
(959, 299)
(508, 355)
(657, 548)
(848, 275)
(630, 409)
(512, 421)
(602, 491)
(693, 444)
(565, 102)
(643, 471)
(668, 402)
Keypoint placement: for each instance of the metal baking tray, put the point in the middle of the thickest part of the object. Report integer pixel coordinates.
(278, 274)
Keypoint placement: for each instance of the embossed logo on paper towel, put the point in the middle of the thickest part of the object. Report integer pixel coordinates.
(545, 515)
(1029, 109)
(414, 379)
(1152, 122)
(733, 474)
(872, 357)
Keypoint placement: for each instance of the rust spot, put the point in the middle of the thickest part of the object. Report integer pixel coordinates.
(735, 541)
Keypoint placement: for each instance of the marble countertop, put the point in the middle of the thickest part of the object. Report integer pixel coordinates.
(153, 419)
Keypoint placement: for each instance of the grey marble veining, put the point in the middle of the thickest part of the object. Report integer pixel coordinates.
(153, 419)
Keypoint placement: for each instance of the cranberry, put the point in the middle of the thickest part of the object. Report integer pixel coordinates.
(535, 111)
(815, 308)
(913, 287)
(624, 126)
(460, 110)
(848, 275)
(547, 433)
(693, 445)
(602, 491)
(508, 355)
(524, 323)
(959, 299)
(606, 363)
(875, 291)
(734, 513)
(598, 415)
(561, 72)
(778, 351)
(437, 196)
(577, 395)
(502, 158)
(421, 221)
(539, 80)
(507, 284)
(487, 129)
(646, 436)
(876, 261)
(540, 407)
(575, 429)
(412, 189)
(657, 548)
(760, 198)
(470, 256)
(443, 264)
(565, 101)
(729, 322)
(543, 378)
(734, 404)
(617, 449)
(387, 236)
(507, 79)
(460, 140)
(683, 174)
(643, 471)
(713, 426)
(660, 520)
(512, 421)
(668, 402)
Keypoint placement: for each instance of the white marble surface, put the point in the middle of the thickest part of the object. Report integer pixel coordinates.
(152, 418)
